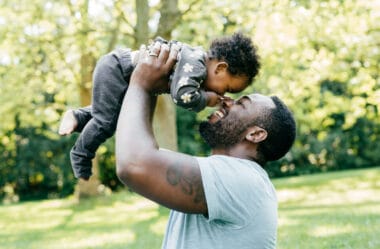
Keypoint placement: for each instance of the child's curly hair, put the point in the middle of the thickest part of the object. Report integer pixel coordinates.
(239, 52)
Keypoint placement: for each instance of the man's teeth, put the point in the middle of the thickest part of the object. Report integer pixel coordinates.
(219, 114)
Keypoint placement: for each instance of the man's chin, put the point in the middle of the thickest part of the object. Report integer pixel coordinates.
(220, 134)
(206, 131)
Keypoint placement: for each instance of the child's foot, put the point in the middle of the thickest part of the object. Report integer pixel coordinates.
(68, 123)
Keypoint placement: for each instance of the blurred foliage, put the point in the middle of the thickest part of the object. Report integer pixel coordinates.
(38, 165)
(190, 141)
(321, 57)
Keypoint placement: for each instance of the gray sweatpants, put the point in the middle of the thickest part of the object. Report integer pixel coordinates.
(111, 79)
(110, 82)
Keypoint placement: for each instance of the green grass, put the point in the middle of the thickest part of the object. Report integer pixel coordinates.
(332, 210)
(121, 220)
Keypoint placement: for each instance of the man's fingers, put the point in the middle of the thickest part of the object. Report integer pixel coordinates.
(164, 53)
(172, 59)
(142, 52)
(155, 49)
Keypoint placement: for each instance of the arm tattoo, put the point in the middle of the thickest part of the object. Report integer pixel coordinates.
(190, 182)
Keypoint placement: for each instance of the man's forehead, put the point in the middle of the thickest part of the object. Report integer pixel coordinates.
(253, 96)
(256, 97)
(250, 97)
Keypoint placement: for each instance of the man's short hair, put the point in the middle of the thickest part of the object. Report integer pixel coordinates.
(239, 52)
(281, 128)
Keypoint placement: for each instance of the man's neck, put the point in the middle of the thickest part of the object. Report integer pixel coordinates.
(235, 151)
(239, 151)
(220, 152)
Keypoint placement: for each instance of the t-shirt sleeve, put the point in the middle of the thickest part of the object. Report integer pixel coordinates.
(232, 190)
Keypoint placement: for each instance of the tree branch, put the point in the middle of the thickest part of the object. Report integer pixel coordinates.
(115, 30)
(191, 5)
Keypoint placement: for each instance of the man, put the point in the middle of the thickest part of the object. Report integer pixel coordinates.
(222, 201)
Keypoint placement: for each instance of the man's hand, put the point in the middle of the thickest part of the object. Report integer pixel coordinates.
(154, 66)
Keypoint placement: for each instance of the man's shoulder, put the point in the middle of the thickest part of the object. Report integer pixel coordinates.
(228, 159)
(222, 163)
(228, 166)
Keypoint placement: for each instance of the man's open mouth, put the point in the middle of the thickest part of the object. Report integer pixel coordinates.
(220, 113)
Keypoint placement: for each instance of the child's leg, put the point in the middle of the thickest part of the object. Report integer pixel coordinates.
(85, 147)
(83, 116)
(74, 120)
(110, 85)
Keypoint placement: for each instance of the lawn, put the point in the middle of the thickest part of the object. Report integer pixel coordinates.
(331, 210)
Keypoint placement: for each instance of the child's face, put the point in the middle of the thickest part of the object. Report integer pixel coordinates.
(219, 80)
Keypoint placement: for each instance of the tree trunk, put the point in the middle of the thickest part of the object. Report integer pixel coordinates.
(170, 16)
(164, 121)
(164, 124)
(88, 188)
(142, 28)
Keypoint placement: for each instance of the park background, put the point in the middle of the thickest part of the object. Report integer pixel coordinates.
(321, 57)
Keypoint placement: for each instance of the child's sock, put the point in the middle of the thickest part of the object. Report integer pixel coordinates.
(68, 123)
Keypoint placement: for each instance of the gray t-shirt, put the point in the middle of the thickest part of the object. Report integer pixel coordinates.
(242, 209)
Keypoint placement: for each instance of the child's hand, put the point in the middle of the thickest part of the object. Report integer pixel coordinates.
(213, 99)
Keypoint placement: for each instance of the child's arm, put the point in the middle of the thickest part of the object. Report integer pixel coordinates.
(186, 80)
(213, 99)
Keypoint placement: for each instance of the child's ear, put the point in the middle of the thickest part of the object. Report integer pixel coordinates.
(221, 67)
(256, 134)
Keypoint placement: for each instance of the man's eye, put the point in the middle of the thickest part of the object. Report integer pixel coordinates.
(240, 102)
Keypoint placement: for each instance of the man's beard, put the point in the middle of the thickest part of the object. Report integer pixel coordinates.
(222, 134)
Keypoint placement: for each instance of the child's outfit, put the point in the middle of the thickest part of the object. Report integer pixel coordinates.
(110, 82)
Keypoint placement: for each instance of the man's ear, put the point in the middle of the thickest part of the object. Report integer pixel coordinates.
(256, 134)
(221, 67)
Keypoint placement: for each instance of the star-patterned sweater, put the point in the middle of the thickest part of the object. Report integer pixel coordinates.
(187, 78)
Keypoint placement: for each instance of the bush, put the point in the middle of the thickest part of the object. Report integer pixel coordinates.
(36, 164)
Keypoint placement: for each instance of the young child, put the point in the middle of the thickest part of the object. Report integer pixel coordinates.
(198, 80)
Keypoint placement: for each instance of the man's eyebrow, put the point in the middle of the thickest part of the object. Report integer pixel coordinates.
(246, 97)
(243, 100)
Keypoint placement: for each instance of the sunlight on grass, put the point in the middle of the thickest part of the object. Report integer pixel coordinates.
(159, 227)
(97, 240)
(333, 210)
(104, 222)
(327, 196)
(326, 231)
(323, 211)
(362, 188)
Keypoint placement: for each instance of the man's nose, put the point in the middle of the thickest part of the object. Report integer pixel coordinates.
(228, 102)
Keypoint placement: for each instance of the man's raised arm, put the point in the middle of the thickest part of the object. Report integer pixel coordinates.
(169, 178)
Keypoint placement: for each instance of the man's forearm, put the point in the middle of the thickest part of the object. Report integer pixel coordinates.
(169, 178)
(134, 133)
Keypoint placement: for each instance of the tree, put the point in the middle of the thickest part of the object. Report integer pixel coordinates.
(56, 49)
(321, 57)
(165, 112)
